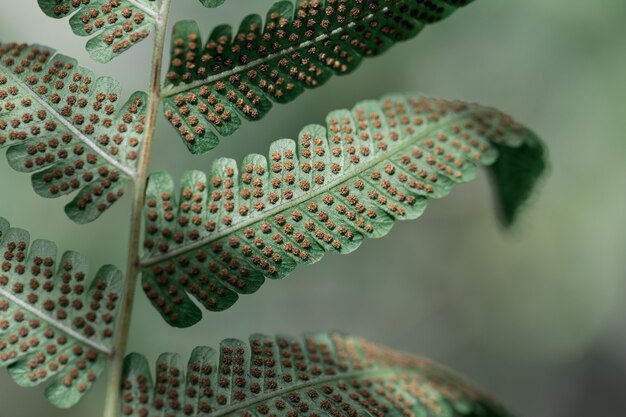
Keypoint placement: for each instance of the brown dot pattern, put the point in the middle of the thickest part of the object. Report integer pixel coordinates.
(55, 326)
(113, 25)
(211, 86)
(68, 128)
(312, 376)
(335, 186)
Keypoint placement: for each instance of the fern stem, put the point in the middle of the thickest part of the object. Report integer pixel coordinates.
(112, 404)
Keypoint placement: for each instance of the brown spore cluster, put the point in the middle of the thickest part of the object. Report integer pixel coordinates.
(211, 85)
(68, 127)
(56, 325)
(312, 376)
(337, 185)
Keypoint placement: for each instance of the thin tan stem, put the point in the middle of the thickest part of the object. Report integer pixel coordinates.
(112, 405)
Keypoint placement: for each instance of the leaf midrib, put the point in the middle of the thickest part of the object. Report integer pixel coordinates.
(75, 131)
(304, 197)
(61, 326)
(145, 9)
(380, 372)
(170, 91)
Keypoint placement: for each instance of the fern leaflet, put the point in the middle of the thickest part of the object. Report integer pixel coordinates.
(68, 128)
(209, 89)
(317, 375)
(54, 326)
(115, 25)
(380, 162)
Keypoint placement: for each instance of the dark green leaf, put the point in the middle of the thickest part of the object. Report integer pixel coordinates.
(114, 26)
(381, 162)
(515, 174)
(211, 85)
(54, 325)
(212, 3)
(68, 128)
(320, 375)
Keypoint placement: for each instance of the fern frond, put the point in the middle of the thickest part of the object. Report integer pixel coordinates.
(54, 325)
(380, 162)
(318, 375)
(68, 128)
(209, 89)
(114, 26)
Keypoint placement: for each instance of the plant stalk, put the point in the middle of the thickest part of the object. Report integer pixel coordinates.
(112, 405)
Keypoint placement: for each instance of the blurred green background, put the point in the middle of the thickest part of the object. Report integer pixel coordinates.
(534, 315)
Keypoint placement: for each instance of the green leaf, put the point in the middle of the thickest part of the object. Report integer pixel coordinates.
(212, 3)
(68, 128)
(211, 86)
(380, 162)
(54, 325)
(114, 26)
(515, 174)
(316, 375)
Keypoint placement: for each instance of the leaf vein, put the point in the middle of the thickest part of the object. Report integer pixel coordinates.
(145, 9)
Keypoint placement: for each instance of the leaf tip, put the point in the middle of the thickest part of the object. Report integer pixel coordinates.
(515, 175)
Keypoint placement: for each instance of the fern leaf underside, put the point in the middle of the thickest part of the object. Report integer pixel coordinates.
(114, 26)
(210, 89)
(380, 162)
(54, 326)
(68, 128)
(318, 375)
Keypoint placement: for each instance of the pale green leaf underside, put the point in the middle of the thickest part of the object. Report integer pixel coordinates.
(319, 375)
(211, 86)
(380, 162)
(115, 26)
(55, 326)
(68, 128)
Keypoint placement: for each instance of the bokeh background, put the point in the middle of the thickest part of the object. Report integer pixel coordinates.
(535, 314)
